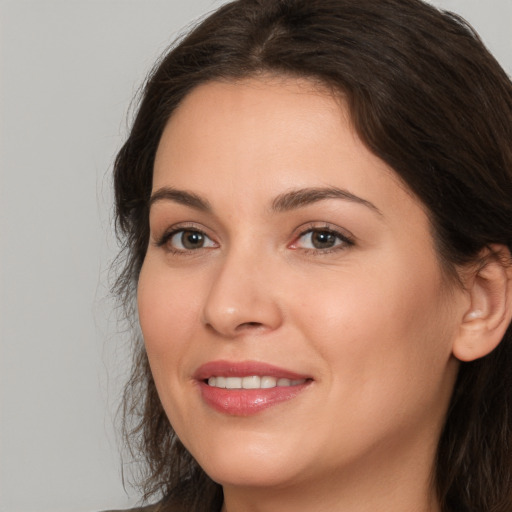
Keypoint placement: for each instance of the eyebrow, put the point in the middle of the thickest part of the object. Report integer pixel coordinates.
(305, 196)
(180, 196)
(287, 201)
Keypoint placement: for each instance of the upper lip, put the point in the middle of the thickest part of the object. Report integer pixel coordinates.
(244, 369)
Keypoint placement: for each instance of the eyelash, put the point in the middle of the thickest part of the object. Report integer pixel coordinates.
(345, 240)
(164, 240)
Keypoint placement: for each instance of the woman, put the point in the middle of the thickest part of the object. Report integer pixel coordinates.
(316, 205)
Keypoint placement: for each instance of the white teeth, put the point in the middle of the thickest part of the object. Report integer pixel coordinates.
(217, 382)
(252, 382)
(268, 382)
(233, 382)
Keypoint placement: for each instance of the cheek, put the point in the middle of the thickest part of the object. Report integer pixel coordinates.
(168, 316)
(385, 329)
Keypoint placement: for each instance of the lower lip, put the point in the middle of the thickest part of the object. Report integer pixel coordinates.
(247, 402)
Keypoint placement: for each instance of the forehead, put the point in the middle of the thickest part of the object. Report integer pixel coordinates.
(262, 114)
(258, 137)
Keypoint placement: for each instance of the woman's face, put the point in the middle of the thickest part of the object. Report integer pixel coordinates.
(281, 248)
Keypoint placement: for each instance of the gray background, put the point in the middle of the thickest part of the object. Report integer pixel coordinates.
(68, 70)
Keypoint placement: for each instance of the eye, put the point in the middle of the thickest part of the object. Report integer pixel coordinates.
(321, 239)
(186, 240)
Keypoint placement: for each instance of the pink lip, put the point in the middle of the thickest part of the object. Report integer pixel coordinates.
(244, 369)
(246, 402)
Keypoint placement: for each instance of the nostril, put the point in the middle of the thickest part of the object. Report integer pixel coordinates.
(241, 327)
(249, 325)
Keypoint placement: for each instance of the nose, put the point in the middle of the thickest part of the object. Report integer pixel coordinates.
(241, 298)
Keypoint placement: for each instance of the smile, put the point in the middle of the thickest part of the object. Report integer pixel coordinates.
(253, 382)
(245, 388)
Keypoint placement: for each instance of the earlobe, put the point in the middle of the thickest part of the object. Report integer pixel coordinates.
(490, 312)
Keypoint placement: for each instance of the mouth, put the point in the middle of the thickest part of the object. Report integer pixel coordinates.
(252, 382)
(249, 387)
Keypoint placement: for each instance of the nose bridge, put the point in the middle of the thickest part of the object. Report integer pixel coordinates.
(240, 296)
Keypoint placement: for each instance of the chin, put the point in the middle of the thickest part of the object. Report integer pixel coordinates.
(249, 463)
(251, 472)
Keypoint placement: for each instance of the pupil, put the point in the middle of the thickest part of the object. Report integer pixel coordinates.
(323, 239)
(192, 239)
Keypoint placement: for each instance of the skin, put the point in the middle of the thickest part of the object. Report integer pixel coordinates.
(373, 322)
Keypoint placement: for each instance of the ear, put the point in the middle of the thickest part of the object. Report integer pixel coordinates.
(490, 312)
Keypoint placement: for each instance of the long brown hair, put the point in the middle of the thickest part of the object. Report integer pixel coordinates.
(426, 97)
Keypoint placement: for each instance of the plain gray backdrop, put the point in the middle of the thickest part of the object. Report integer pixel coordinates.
(68, 70)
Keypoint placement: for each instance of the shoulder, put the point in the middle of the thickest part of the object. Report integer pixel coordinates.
(164, 505)
(157, 507)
